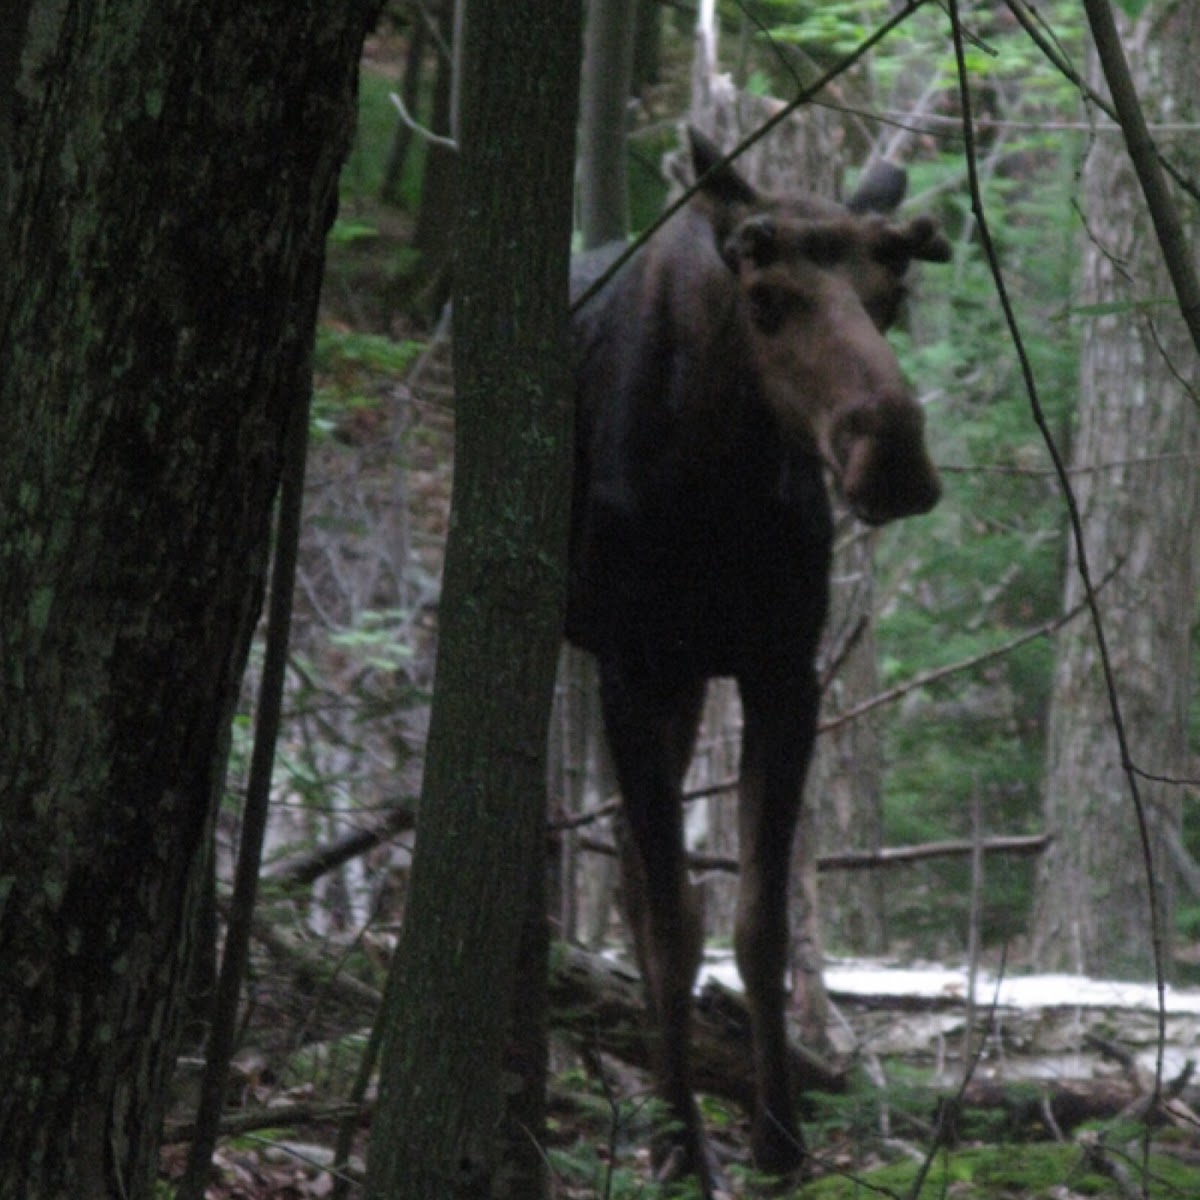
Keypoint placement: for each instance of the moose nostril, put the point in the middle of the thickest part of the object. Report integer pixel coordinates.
(926, 498)
(882, 486)
(921, 492)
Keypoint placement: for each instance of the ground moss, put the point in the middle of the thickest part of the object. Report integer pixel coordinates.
(1025, 1172)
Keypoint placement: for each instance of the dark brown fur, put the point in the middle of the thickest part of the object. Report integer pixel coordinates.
(737, 357)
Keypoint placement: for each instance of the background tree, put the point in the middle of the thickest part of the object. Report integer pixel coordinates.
(439, 178)
(1134, 458)
(476, 906)
(609, 36)
(169, 175)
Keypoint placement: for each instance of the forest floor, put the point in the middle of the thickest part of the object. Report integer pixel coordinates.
(1057, 1103)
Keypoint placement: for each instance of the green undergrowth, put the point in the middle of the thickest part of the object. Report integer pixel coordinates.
(598, 1135)
(1032, 1171)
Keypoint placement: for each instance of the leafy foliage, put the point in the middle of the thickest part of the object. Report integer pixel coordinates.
(1038, 1172)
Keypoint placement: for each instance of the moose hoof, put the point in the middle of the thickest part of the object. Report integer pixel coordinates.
(676, 1159)
(779, 1151)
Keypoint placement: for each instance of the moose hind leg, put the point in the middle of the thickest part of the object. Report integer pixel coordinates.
(780, 725)
(651, 733)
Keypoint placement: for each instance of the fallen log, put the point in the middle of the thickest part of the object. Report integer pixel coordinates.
(311, 865)
(1053, 1108)
(866, 860)
(599, 1003)
(1057, 1107)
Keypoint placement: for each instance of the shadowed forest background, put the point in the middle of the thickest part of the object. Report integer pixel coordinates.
(965, 710)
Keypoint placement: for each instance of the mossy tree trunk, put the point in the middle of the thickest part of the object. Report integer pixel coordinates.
(167, 174)
(469, 978)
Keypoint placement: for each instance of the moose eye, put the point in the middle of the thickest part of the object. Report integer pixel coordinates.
(885, 308)
(768, 308)
(825, 247)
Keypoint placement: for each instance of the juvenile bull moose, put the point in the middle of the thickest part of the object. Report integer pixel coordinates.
(732, 361)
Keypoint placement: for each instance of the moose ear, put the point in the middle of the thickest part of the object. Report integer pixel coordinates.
(756, 240)
(725, 186)
(919, 239)
(880, 189)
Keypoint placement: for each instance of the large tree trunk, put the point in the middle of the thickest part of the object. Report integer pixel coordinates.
(1139, 500)
(168, 174)
(481, 847)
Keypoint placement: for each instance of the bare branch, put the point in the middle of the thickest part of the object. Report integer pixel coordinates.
(310, 866)
(233, 1124)
(963, 664)
(1144, 156)
(867, 860)
(420, 130)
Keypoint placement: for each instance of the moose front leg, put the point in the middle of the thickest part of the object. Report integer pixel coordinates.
(650, 734)
(778, 734)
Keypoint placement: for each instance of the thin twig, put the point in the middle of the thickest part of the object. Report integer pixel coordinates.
(222, 1029)
(269, 1117)
(963, 664)
(1146, 163)
(1117, 464)
(420, 130)
(864, 860)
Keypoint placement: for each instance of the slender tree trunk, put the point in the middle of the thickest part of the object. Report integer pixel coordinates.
(169, 174)
(402, 139)
(1139, 500)
(846, 782)
(647, 45)
(433, 235)
(481, 850)
(607, 74)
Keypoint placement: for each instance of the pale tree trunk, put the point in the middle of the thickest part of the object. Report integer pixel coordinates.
(167, 176)
(580, 781)
(1139, 498)
(846, 780)
(843, 806)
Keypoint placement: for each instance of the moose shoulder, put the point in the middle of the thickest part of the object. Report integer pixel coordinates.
(737, 357)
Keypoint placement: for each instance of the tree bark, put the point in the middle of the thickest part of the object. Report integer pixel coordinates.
(1139, 505)
(481, 849)
(607, 75)
(402, 139)
(440, 184)
(847, 776)
(1164, 213)
(171, 171)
